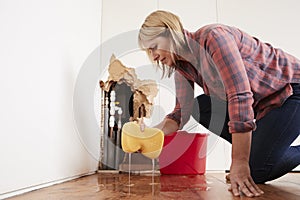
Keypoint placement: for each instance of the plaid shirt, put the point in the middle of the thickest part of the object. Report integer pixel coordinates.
(252, 76)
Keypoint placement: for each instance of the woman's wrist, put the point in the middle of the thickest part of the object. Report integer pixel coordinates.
(241, 145)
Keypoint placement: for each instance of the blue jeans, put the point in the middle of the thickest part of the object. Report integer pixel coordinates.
(272, 155)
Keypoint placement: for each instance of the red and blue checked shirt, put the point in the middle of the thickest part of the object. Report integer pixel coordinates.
(252, 76)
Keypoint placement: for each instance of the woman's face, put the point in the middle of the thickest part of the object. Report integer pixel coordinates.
(159, 50)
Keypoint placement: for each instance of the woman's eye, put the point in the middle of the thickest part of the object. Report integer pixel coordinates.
(153, 48)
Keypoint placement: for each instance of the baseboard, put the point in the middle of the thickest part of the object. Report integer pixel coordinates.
(40, 186)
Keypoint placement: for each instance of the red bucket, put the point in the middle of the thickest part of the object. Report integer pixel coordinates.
(183, 153)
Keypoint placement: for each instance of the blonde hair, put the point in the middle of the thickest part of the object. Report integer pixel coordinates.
(166, 24)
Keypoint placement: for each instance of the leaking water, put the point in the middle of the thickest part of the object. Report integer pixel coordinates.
(153, 172)
(129, 171)
(153, 165)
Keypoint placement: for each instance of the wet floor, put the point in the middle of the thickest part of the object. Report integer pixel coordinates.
(110, 186)
(146, 186)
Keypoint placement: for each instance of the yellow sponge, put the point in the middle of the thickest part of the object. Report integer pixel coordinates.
(149, 142)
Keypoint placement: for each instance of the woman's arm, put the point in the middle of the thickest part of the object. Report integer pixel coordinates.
(229, 68)
(183, 106)
(229, 64)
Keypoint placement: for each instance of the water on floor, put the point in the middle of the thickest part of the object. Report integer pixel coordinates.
(110, 186)
(150, 186)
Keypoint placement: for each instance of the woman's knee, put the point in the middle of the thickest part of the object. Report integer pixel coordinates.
(260, 176)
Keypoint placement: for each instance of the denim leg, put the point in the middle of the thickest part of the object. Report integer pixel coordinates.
(289, 161)
(212, 114)
(271, 154)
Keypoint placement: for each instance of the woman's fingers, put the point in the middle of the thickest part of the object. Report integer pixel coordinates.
(250, 189)
(234, 188)
(255, 186)
(247, 187)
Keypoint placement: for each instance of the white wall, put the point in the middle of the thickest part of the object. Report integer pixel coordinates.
(43, 46)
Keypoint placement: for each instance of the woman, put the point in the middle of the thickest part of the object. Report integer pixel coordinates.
(258, 83)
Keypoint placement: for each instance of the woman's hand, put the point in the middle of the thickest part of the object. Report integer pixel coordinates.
(241, 180)
(240, 177)
(167, 126)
